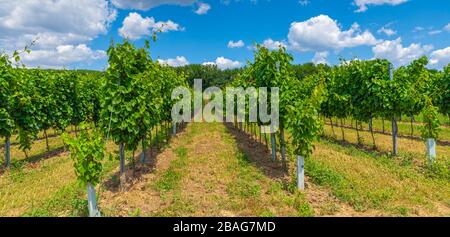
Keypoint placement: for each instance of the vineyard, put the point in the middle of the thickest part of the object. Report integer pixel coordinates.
(357, 139)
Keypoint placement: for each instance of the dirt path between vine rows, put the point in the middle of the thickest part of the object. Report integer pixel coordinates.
(212, 169)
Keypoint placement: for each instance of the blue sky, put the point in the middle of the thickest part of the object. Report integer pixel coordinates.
(76, 35)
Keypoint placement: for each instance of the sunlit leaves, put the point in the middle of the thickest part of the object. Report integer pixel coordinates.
(87, 152)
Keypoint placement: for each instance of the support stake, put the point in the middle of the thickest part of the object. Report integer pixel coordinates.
(274, 146)
(300, 173)
(8, 152)
(144, 141)
(431, 150)
(92, 201)
(394, 137)
(122, 158)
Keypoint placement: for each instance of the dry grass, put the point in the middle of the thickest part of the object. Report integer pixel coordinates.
(204, 173)
(29, 184)
(370, 182)
(384, 144)
(214, 170)
(404, 127)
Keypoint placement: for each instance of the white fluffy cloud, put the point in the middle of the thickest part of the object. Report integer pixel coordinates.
(440, 58)
(179, 61)
(54, 22)
(237, 44)
(62, 56)
(224, 63)
(273, 44)
(203, 8)
(147, 4)
(321, 33)
(320, 57)
(135, 26)
(363, 4)
(394, 51)
(57, 26)
(387, 31)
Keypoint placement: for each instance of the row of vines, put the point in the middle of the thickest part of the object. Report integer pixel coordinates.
(299, 103)
(365, 90)
(35, 100)
(124, 105)
(361, 90)
(134, 97)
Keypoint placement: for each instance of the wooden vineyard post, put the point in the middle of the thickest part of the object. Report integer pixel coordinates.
(394, 121)
(144, 141)
(157, 138)
(92, 201)
(283, 146)
(122, 158)
(394, 137)
(174, 127)
(8, 152)
(265, 140)
(274, 146)
(260, 133)
(46, 140)
(122, 178)
(300, 173)
(431, 150)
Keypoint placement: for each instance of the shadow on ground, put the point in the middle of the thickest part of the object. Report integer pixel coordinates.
(135, 169)
(258, 153)
(33, 161)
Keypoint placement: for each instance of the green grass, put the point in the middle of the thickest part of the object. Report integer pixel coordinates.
(170, 179)
(367, 180)
(219, 178)
(247, 185)
(68, 201)
(226, 178)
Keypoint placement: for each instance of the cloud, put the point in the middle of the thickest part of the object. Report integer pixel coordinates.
(55, 25)
(203, 8)
(224, 63)
(62, 56)
(387, 31)
(55, 22)
(237, 44)
(148, 4)
(394, 51)
(363, 4)
(320, 57)
(322, 33)
(273, 45)
(134, 26)
(179, 61)
(304, 2)
(418, 28)
(440, 58)
(435, 32)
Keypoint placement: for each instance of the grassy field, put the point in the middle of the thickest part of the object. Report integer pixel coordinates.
(212, 169)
